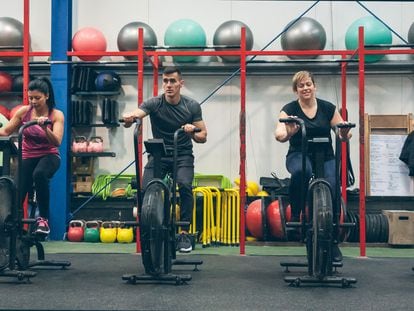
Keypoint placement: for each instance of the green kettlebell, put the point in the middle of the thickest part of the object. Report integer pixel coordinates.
(91, 231)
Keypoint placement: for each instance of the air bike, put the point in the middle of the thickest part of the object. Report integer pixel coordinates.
(15, 239)
(320, 229)
(157, 217)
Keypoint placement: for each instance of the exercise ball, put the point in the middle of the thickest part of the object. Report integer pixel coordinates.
(375, 32)
(107, 81)
(89, 39)
(274, 220)
(229, 33)
(185, 32)
(17, 84)
(254, 221)
(11, 34)
(6, 81)
(5, 112)
(410, 36)
(304, 34)
(128, 37)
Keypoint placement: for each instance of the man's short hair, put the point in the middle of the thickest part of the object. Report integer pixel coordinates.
(171, 69)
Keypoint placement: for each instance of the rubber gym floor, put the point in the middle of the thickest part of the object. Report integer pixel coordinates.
(225, 281)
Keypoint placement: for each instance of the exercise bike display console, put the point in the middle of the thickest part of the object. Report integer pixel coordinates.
(320, 228)
(157, 218)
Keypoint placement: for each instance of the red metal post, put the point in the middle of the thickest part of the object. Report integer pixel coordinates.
(343, 145)
(242, 139)
(26, 48)
(361, 74)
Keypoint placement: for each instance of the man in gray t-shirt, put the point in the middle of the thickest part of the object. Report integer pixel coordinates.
(169, 112)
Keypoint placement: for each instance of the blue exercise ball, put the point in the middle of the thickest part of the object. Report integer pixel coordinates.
(107, 81)
(229, 33)
(185, 32)
(303, 34)
(375, 32)
(127, 39)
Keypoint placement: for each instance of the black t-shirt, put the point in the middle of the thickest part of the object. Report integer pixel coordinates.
(318, 126)
(166, 119)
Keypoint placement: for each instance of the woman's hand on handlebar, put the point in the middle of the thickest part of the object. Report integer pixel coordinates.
(43, 121)
(343, 130)
(292, 124)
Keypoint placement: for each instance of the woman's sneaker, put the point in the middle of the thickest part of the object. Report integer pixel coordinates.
(42, 227)
(184, 244)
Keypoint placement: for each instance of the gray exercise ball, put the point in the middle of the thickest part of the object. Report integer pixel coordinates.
(410, 36)
(128, 37)
(11, 34)
(229, 33)
(304, 34)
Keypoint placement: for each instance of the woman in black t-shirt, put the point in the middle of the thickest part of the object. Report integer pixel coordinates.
(320, 116)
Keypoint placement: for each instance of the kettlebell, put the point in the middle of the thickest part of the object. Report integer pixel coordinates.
(108, 232)
(125, 234)
(80, 144)
(91, 231)
(95, 144)
(76, 230)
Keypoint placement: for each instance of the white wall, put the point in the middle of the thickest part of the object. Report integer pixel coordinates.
(390, 94)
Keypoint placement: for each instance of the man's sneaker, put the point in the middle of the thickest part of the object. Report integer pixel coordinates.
(184, 243)
(42, 227)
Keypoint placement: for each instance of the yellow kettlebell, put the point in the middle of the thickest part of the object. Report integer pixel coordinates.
(125, 235)
(108, 232)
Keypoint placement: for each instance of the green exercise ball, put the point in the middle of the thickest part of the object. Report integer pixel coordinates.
(375, 32)
(185, 32)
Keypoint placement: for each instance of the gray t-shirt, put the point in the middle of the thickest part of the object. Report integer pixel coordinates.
(166, 119)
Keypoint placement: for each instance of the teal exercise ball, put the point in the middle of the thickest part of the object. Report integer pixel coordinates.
(185, 32)
(229, 33)
(303, 34)
(375, 32)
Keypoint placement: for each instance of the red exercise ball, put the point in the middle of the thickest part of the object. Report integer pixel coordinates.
(5, 112)
(89, 39)
(14, 110)
(254, 218)
(6, 81)
(274, 219)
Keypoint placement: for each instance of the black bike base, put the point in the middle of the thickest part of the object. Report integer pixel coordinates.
(335, 265)
(20, 275)
(49, 263)
(178, 279)
(184, 262)
(306, 279)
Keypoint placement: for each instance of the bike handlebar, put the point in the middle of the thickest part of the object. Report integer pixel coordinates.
(136, 120)
(345, 125)
(298, 121)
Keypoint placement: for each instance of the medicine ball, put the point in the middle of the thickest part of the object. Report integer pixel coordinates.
(17, 84)
(107, 81)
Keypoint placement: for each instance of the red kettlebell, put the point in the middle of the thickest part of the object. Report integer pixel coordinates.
(76, 231)
(95, 144)
(80, 144)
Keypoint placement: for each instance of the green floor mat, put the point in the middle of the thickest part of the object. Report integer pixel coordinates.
(251, 250)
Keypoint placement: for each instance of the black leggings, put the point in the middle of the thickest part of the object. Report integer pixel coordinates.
(39, 171)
